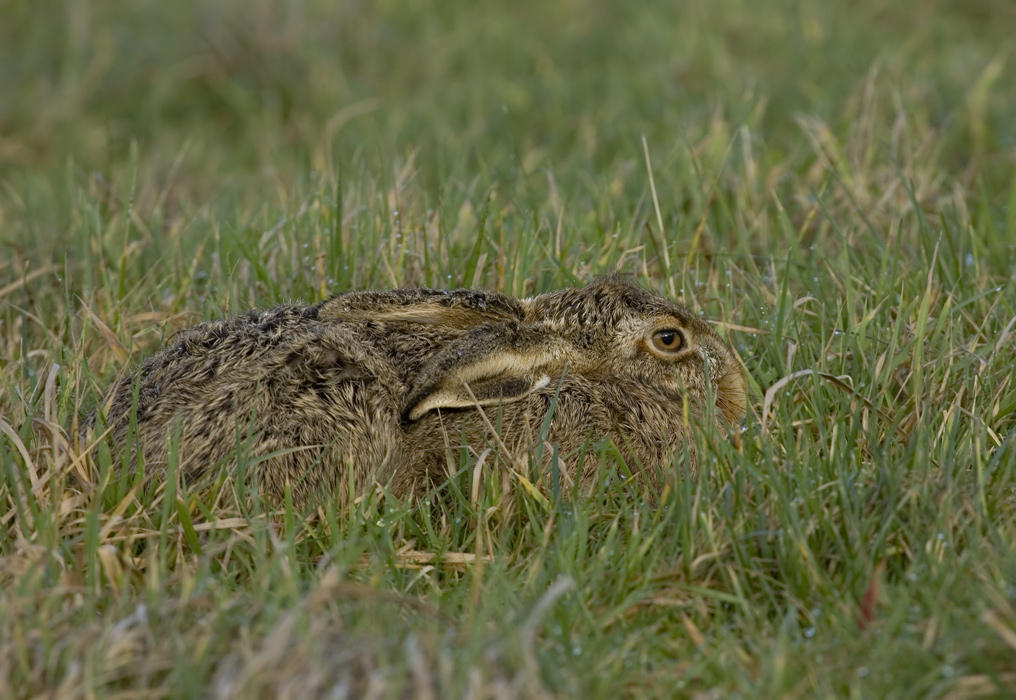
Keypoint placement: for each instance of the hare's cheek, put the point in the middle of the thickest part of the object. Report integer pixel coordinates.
(732, 397)
(710, 363)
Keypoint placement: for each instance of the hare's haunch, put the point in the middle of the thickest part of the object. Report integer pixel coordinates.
(386, 387)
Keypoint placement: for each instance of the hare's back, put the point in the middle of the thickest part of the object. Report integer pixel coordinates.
(293, 386)
(197, 360)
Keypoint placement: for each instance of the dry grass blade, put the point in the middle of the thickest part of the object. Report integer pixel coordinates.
(983, 686)
(416, 559)
(12, 435)
(49, 395)
(1004, 336)
(474, 494)
(121, 352)
(693, 631)
(661, 245)
(736, 327)
(772, 391)
(33, 475)
(998, 626)
(18, 284)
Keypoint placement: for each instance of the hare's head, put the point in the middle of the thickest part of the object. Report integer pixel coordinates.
(608, 330)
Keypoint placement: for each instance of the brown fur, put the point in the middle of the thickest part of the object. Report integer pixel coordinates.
(385, 387)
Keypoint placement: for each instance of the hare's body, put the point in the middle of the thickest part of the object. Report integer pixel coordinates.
(387, 387)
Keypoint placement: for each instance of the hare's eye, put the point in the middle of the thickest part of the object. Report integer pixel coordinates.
(668, 340)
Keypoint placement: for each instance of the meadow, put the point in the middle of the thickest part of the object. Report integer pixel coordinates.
(832, 183)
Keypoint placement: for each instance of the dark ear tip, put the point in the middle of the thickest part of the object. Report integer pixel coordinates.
(414, 401)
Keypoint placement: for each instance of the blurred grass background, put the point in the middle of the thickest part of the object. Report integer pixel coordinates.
(831, 181)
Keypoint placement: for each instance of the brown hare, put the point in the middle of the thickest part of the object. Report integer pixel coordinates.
(386, 387)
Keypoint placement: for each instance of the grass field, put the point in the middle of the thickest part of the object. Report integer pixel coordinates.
(834, 181)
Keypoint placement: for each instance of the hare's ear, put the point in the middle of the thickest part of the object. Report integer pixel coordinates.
(492, 364)
(459, 309)
(429, 314)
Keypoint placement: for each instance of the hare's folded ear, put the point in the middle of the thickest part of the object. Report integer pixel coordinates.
(459, 309)
(490, 365)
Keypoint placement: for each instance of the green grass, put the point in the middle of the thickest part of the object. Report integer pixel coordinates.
(835, 182)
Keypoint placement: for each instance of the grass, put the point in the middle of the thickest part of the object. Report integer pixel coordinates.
(835, 182)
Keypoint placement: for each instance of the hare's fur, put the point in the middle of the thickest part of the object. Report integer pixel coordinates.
(386, 387)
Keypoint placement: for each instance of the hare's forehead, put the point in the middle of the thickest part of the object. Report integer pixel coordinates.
(654, 317)
(609, 325)
(628, 326)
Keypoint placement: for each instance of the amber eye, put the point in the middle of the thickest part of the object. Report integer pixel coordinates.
(668, 340)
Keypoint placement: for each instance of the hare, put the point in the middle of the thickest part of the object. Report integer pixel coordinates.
(386, 387)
